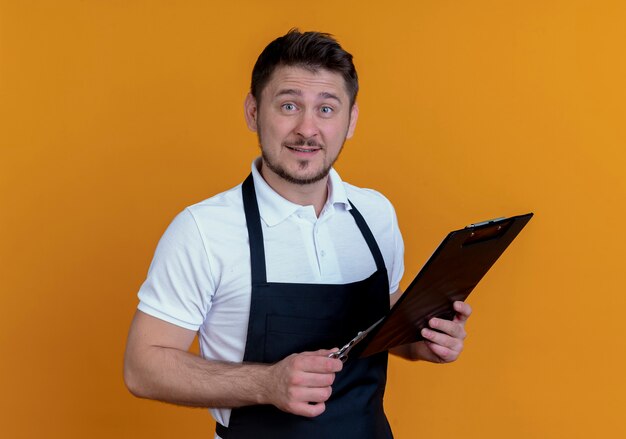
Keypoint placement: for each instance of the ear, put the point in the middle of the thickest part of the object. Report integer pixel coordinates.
(250, 112)
(354, 115)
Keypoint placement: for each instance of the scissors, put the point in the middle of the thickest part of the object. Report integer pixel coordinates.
(342, 354)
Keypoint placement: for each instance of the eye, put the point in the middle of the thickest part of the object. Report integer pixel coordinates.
(288, 107)
(326, 109)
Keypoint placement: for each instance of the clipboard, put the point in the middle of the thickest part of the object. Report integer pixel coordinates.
(451, 273)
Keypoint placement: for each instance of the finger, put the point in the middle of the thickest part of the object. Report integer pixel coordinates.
(443, 340)
(320, 352)
(452, 328)
(317, 363)
(307, 379)
(445, 355)
(463, 311)
(311, 394)
(308, 410)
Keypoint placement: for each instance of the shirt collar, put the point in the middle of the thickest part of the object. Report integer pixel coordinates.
(337, 190)
(274, 209)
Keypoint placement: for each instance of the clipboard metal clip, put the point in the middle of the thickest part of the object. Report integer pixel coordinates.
(342, 354)
(484, 223)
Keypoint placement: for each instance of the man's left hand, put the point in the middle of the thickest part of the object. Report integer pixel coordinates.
(444, 342)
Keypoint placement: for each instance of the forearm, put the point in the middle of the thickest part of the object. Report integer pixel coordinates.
(158, 366)
(179, 377)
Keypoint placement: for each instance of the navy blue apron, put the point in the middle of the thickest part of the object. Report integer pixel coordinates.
(286, 318)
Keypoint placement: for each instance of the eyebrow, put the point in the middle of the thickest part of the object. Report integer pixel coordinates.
(296, 92)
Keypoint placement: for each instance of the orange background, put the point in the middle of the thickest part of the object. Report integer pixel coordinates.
(115, 115)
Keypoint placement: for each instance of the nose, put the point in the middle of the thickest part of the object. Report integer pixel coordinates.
(307, 125)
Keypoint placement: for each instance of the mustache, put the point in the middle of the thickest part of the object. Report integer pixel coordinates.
(303, 142)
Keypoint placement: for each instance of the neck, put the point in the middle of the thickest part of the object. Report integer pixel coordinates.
(314, 194)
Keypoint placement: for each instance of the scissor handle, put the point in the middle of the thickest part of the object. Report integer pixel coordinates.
(340, 355)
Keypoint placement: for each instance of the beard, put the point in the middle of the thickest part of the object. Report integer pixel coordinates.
(283, 173)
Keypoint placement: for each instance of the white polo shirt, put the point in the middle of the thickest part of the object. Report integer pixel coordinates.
(199, 278)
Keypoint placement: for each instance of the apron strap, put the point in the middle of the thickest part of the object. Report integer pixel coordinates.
(255, 233)
(369, 237)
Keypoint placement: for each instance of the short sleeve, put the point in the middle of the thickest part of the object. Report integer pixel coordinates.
(397, 269)
(179, 286)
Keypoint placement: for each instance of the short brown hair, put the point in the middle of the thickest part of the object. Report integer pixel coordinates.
(310, 50)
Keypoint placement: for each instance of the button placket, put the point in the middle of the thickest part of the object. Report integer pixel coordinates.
(306, 224)
(318, 251)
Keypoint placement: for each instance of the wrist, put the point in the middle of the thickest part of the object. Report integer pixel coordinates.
(261, 375)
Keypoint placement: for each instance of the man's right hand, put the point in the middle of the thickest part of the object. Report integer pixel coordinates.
(301, 383)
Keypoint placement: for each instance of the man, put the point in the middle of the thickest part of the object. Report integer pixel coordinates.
(274, 272)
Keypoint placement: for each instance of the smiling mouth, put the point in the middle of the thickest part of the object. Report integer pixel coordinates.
(300, 149)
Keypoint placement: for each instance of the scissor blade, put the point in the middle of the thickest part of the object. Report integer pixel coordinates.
(368, 330)
(343, 352)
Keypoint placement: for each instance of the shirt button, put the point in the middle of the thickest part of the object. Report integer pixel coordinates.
(323, 253)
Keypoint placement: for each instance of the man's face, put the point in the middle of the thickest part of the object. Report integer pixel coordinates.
(302, 120)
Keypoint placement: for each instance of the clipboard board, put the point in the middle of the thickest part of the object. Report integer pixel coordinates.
(451, 273)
